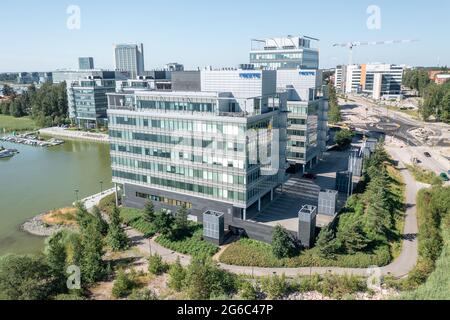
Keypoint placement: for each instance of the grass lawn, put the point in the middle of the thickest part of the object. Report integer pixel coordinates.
(63, 216)
(10, 123)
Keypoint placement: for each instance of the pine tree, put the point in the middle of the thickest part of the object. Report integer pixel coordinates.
(352, 237)
(177, 274)
(56, 259)
(283, 245)
(181, 225)
(326, 243)
(92, 265)
(164, 223)
(102, 225)
(149, 211)
(117, 238)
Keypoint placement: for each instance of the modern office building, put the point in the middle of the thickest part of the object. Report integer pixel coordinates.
(130, 58)
(380, 81)
(85, 63)
(221, 149)
(88, 101)
(296, 64)
(284, 53)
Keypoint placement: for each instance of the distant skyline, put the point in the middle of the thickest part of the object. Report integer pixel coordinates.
(198, 33)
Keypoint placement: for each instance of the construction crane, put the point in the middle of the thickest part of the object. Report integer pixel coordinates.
(351, 45)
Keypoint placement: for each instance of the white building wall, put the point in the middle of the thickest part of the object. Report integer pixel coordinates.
(301, 81)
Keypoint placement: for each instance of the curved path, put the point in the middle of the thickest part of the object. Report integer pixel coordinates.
(400, 267)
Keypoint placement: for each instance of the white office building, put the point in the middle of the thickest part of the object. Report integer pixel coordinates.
(284, 53)
(379, 81)
(130, 58)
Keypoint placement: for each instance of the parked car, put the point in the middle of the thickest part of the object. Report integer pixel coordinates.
(427, 154)
(444, 176)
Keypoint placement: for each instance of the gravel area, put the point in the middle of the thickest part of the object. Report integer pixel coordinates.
(37, 227)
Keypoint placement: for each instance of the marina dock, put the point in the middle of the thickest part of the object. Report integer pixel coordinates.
(31, 139)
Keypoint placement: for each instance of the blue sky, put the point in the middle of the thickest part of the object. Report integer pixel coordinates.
(209, 32)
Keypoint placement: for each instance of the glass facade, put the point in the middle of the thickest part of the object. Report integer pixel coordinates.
(201, 154)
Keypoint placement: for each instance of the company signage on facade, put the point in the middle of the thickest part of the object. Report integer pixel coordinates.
(307, 73)
(250, 75)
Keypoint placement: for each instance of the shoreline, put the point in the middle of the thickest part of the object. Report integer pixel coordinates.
(36, 227)
(74, 135)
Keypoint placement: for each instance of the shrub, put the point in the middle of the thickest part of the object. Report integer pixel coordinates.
(192, 245)
(339, 286)
(123, 285)
(275, 286)
(343, 138)
(143, 294)
(247, 291)
(156, 264)
(177, 274)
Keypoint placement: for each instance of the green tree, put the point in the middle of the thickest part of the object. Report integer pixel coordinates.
(177, 274)
(83, 217)
(24, 278)
(352, 237)
(123, 285)
(117, 238)
(101, 223)
(343, 138)
(283, 244)
(164, 223)
(149, 211)
(92, 264)
(205, 280)
(334, 111)
(8, 91)
(181, 224)
(56, 260)
(327, 243)
(156, 265)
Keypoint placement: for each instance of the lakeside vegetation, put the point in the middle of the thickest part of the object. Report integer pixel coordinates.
(367, 231)
(10, 123)
(47, 106)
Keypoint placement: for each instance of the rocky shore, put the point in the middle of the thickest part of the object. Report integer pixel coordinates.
(37, 227)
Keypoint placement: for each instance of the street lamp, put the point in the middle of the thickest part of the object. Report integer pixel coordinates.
(101, 187)
(76, 193)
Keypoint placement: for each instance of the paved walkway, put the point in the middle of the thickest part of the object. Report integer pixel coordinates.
(94, 200)
(71, 134)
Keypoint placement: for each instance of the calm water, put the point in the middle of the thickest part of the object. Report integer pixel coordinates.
(40, 179)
